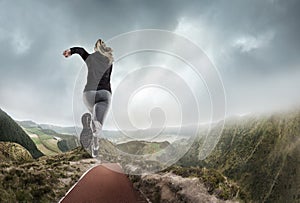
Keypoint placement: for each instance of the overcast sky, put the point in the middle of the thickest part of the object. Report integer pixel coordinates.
(253, 44)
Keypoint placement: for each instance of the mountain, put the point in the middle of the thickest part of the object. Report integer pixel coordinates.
(142, 147)
(57, 129)
(48, 179)
(10, 131)
(27, 124)
(260, 152)
(167, 134)
(47, 140)
(51, 142)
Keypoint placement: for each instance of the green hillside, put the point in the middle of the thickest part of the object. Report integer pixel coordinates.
(261, 153)
(51, 142)
(10, 131)
(142, 147)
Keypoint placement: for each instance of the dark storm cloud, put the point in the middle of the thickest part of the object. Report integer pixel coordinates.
(279, 20)
(255, 45)
(34, 34)
(248, 40)
(275, 23)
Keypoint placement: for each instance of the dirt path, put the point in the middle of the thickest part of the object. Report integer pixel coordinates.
(100, 184)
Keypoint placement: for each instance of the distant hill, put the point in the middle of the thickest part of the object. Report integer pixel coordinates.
(261, 153)
(57, 129)
(51, 139)
(10, 131)
(50, 142)
(120, 136)
(27, 124)
(142, 147)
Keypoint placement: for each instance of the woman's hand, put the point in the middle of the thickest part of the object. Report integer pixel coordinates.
(67, 53)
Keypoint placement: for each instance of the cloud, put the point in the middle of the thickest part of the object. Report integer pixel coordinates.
(20, 42)
(250, 42)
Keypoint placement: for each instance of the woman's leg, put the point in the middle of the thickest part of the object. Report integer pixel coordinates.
(100, 109)
(86, 135)
(97, 103)
(89, 100)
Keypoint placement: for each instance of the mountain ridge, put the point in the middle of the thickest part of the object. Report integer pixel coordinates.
(260, 152)
(10, 131)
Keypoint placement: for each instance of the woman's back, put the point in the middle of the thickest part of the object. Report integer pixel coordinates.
(99, 71)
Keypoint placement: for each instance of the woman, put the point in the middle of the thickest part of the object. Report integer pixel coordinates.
(97, 92)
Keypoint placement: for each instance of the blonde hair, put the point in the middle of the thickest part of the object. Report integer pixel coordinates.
(101, 47)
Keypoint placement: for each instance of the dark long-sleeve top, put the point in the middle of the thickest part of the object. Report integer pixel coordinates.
(104, 82)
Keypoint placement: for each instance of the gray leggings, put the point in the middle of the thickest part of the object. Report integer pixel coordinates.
(97, 103)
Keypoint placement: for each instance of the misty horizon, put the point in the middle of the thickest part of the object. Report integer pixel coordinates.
(234, 116)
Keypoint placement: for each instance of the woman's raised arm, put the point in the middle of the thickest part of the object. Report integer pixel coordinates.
(76, 50)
